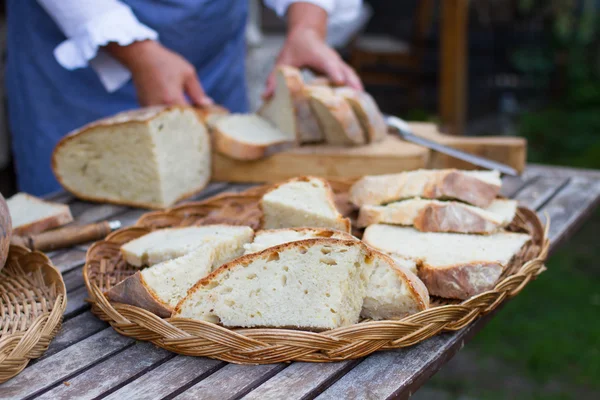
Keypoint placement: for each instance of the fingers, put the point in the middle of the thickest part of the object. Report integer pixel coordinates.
(334, 69)
(270, 85)
(352, 78)
(194, 90)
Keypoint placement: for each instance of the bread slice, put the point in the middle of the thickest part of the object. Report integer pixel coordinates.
(440, 216)
(210, 114)
(451, 265)
(273, 237)
(479, 188)
(248, 137)
(393, 292)
(159, 288)
(150, 157)
(167, 244)
(280, 109)
(314, 284)
(30, 214)
(302, 202)
(337, 120)
(364, 106)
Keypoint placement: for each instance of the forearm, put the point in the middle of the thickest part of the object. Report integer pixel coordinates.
(304, 17)
(131, 55)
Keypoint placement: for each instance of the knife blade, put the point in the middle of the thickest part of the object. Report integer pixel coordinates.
(406, 133)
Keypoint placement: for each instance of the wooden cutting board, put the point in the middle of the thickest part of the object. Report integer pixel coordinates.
(389, 156)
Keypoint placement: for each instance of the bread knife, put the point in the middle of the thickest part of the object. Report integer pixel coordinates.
(406, 133)
(66, 237)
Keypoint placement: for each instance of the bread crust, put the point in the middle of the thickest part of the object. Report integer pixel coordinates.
(447, 217)
(367, 112)
(417, 288)
(246, 259)
(342, 112)
(456, 282)
(138, 116)
(345, 221)
(134, 291)
(5, 231)
(440, 184)
(238, 150)
(62, 217)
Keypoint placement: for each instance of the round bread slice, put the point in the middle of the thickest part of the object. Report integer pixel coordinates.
(248, 137)
(367, 111)
(273, 237)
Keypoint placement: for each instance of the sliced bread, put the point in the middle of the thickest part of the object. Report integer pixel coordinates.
(338, 122)
(210, 114)
(248, 137)
(451, 265)
(478, 188)
(273, 237)
(150, 157)
(315, 284)
(30, 214)
(302, 202)
(280, 109)
(393, 292)
(159, 288)
(440, 216)
(367, 111)
(167, 244)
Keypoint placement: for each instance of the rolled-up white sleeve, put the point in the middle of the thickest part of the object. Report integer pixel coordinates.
(337, 10)
(91, 24)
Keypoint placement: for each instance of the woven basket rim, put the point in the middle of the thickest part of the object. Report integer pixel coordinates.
(19, 347)
(271, 345)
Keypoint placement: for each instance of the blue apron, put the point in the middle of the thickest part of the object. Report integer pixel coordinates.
(46, 101)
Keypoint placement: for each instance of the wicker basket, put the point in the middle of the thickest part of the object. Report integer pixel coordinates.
(105, 267)
(32, 302)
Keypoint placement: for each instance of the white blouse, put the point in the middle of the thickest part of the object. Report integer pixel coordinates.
(90, 24)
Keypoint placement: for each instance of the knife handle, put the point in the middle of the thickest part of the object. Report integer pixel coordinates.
(64, 237)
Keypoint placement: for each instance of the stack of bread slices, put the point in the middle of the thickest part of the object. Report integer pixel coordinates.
(449, 222)
(302, 270)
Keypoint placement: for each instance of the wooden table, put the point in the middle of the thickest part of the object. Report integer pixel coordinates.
(88, 359)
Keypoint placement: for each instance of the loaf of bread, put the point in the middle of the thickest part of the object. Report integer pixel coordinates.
(451, 265)
(273, 237)
(440, 216)
(159, 288)
(150, 157)
(5, 231)
(30, 214)
(167, 244)
(338, 122)
(393, 292)
(280, 108)
(478, 188)
(366, 110)
(314, 284)
(302, 202)
(248, 137)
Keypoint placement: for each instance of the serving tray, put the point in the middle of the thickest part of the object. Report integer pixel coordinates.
(33, 299)
(105, 267)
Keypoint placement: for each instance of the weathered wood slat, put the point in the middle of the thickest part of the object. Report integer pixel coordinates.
(60, 196)
(73, 279)
(571, 207)
(110, 373)
(76, 302)
(539, 191)
(511, 185)
(167, 378)
(85, 213)
(231, 382)
(67, 260)
(73, 331)
(58, 368)
(300, 380)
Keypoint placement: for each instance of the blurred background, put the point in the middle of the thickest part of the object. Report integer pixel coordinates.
(529, 68)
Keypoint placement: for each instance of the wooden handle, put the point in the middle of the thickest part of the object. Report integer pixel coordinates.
(64, 237)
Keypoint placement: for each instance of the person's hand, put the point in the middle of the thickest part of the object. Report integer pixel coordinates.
(160, 75)
(305, 46)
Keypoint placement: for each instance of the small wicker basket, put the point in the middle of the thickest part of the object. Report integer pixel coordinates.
(33, 299)
(105, 267)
